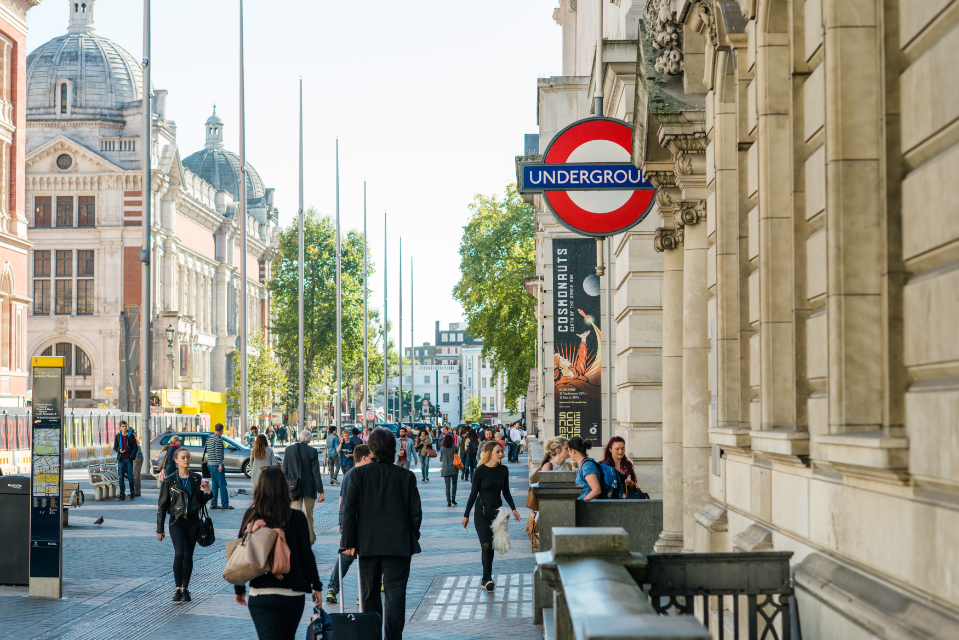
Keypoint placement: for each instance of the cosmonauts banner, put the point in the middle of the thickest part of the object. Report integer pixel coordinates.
(577, 365)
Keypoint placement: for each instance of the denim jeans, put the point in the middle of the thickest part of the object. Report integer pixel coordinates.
(335, 575)
(218, 481)
(470, 467)
(425, 466)
(125, 468)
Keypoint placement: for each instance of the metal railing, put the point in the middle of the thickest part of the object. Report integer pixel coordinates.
(756, 585)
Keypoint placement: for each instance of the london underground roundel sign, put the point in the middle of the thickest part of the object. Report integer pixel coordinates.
(588, 179)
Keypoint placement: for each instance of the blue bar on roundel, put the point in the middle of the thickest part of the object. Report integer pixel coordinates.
(585, 177)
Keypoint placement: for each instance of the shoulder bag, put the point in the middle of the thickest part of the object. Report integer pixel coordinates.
(457, 462)
(430, 451)
(207, 536)
(250, 556)
(532, 502)
(296, 488)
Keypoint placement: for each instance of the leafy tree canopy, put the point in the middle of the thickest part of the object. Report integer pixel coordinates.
(497, 254)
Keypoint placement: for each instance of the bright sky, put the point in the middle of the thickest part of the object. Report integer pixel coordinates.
(429, 99)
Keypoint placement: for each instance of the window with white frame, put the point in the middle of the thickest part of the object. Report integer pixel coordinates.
(65, 211)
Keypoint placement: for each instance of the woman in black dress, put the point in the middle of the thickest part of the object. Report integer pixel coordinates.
(491, 486)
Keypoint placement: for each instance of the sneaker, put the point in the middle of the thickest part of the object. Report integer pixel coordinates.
(330, 597)
(227, 507)
(121, 498)
(132, 497)
(213, 506)
(489, 585)
(178, 596)
(186, 595)
(382, 587)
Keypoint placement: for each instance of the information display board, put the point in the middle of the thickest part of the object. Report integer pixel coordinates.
(46, 513)
(577, 364)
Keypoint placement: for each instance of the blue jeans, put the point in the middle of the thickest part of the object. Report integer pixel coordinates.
(125, 467)
(218, 481)
(470, 467)
(425, 466)
(335, 576)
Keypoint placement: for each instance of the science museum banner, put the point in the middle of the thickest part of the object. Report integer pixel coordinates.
(577, 366)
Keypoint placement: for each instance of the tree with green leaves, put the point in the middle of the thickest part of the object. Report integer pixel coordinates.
(497, 254)
(266, 378)
(472, 411)
(319, 308)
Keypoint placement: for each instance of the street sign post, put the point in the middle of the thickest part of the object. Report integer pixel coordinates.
(370, 416)
(46, 512)
(588, 180)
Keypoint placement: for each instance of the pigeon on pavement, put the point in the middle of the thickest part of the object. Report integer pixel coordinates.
(98, 521)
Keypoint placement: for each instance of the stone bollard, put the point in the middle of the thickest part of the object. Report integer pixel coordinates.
(98, 493)
(557, 493)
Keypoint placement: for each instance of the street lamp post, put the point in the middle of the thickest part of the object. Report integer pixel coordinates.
(170, 335)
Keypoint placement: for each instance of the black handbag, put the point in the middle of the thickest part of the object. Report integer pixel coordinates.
(207, 536)
(488, 512)
(205, 470)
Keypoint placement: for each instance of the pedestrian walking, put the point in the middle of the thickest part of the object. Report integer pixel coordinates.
(169, 463)
(332, 454)
(271, 436)
(251, 436)
(407, 449)
(448, 469)
(301, 465)
(263, 457)
(182, 495)
(125, 448)
(472, 451)
(382, 515)
(361, 457)
(461, 448)
(281, 434)
(589, 476)
(425, 450)
(365, 437)
(348, 443)
(276, 602)
(490, 487)
(515, 438)
(214, 461)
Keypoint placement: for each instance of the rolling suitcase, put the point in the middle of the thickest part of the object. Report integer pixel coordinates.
(354, 626)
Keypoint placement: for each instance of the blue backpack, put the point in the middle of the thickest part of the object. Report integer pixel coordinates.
(608, 480)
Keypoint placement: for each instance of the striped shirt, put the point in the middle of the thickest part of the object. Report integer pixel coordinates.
(214, 450)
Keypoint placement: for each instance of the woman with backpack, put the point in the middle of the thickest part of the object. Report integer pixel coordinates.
(276, 602)
(263, 457)
(181, 497)
(490, 488)
(589, 476)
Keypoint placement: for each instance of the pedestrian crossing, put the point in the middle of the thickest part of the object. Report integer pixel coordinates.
(463, 598)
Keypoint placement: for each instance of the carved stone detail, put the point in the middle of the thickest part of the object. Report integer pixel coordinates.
(665, 34)
(666, 239)
(686, 142)
(663, 199)
(660, 179)
(60, 325)
(684, 165)
(690, 212)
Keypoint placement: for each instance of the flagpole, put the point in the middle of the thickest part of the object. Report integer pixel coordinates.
(339, 309)
(366, 316)
(146, 307)
(386, 333)
(400, 352)
(301, 406)
(244, 329)
(412, 352)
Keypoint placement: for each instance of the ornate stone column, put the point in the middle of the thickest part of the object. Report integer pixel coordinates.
(690, 216)
(669, 241)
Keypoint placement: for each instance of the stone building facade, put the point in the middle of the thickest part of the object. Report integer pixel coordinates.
(84, 193)
(805, 236)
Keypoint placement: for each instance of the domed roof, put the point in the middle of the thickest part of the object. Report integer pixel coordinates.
(220, 167)
(104, 75)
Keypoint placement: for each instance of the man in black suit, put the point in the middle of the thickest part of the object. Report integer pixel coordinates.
(381, 524)
(301, 463)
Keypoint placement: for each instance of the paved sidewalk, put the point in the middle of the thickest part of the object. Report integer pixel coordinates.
(118, 578)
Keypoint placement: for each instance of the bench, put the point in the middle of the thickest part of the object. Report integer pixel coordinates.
(105, 481)
(71, 497)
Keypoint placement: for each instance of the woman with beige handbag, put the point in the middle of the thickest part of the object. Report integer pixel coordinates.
(273, 553)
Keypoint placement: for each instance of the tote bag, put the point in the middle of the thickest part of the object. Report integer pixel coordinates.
(250, 556)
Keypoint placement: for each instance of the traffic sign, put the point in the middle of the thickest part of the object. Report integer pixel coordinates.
(588, 180)
(370, 416)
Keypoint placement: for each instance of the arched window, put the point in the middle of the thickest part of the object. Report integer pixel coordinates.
(76, 8)
(83, 8)
(67, 351)
(63, 98)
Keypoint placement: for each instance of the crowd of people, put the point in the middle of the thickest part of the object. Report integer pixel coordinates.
(380, 513)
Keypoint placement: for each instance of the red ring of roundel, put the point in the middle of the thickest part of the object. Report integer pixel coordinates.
(569, 213)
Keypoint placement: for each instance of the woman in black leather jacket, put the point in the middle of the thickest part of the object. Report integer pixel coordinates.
(182, 495)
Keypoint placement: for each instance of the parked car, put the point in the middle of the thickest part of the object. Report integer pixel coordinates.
(236, 456)
(392, 426)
